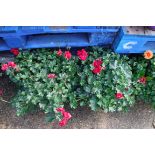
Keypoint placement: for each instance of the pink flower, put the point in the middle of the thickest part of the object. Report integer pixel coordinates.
(67, 55)
(97, 63)
(119, 95)
(142, 80)
(51, 76)
(97, 66)
(4, 67)
(63, 122)
(11, 64)
(60, 109)
(82, 54)
(59, 52)
(67, 115)
(97, 70)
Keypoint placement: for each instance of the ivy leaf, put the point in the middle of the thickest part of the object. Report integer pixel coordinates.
(111, 109)
(90, 79)
(49, 95)
(93, 103)
(87, 89)
(149, 78)
(100, 103)
(50, 118)
(82, 103)
(73, 104)
(42, 105)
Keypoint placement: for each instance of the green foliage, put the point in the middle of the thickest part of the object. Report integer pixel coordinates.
(75, 83)
(142, 67)
(1, 74)
(98, 91)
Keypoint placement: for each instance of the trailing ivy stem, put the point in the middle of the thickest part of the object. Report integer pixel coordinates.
(81, 99)
(4, 101)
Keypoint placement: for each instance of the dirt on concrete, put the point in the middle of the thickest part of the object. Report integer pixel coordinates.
(141, 116)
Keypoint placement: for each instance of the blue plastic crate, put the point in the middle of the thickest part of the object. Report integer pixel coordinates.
(8, 29)
(57, 40)
(56, 36)
(3, 45)
(104, 38)
(30, 30)
(134, 39)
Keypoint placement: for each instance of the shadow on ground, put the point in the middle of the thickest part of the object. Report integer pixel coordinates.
(139, 117)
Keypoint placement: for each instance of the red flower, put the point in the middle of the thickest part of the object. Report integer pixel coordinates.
(67, 115)
(15, 51)
(51, 76)
(60, 109)
(68, 55)
(59, 53)
(97, 63)
(97, 70)
(63, 122)
(142, 80)
(11, 64)
(82, 54)
(4, 67)
(119, 95)
(1, 92)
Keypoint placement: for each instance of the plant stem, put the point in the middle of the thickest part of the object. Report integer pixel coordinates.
(4, 101)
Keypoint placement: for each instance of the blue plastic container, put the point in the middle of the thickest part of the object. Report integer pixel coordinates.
(56, 36)
(134, 40)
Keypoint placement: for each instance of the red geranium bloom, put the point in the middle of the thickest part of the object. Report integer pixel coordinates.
(97, 63)
(60, 109)
(97, 70)
(82, 54)
(67, 115)
(4, 67)
(1, 92)
(68, 55)
(11, 64)
(63, 122)
(51, 76)
(59, 52)
(15, 51)
(119, 95)
(142, 80)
